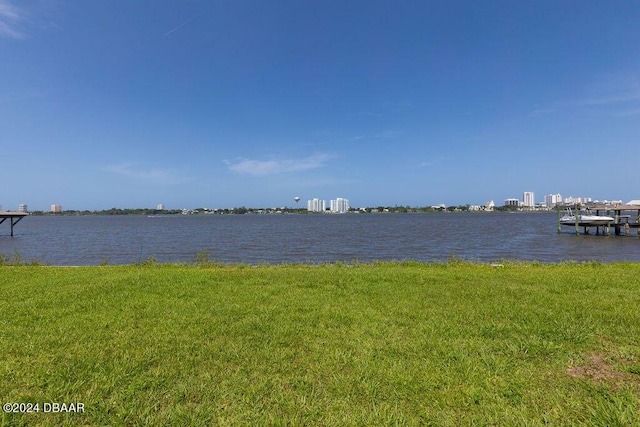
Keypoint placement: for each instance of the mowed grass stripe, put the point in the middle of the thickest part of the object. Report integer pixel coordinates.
(383, 343)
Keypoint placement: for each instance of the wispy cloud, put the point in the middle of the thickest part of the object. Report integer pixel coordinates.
(180, 26)
(543, 111)
(153, 175)
(11, 19)
(278, 166)
(387, 134)
(623, 104)
(613, 100)
(627, 113)
(433, 162)
(370, 114)
(25, 96)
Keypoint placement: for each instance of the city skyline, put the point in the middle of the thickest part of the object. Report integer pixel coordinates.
(340, 204)
(250, 103)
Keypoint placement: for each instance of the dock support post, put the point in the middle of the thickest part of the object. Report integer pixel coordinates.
(14, 221)
(558, 211)
(576, 215)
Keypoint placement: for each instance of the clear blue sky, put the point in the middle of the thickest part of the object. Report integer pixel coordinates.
(223, 103)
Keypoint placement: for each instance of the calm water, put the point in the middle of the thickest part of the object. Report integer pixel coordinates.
(253, 239)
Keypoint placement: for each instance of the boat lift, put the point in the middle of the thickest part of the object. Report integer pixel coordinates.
(614, 218)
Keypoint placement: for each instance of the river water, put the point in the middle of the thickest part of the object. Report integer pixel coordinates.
(276, 239)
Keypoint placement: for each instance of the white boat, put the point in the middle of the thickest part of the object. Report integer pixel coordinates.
(585, 220)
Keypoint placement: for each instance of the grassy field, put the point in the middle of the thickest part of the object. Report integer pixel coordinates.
(390, 343)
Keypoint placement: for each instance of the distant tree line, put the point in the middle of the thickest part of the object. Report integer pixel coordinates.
(112, 211)
(244, 210)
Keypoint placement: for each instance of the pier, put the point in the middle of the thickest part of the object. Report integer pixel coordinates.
(624, 217)
(13, 217)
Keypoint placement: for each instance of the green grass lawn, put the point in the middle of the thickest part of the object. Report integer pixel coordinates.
(385, 343)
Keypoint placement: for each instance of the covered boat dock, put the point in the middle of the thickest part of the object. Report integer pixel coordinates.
(625, 217)
(13, 217)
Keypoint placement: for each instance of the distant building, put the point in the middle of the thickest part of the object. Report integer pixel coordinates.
(487, 207)
(528, 199)
(339, 205)
(22, 207)
(512, 202)
(551, 200)
(576, 200)
(160, 207)
(316, 205)
(56, 208)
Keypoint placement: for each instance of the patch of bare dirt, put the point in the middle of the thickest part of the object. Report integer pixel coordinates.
(601, 369)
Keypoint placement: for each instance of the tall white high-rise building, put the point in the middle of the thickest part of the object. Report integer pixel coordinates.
(528, 199)
(22, 207)
(316, 205)
(339, 205)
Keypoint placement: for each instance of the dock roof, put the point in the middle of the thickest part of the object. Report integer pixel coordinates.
(11, 214)
(614, 207)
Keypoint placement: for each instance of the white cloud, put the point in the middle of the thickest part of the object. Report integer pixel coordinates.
(620, 105)
(543, 111)
(433, 162)
(387, 134)
(273, 167)
(625, 103)
(10, 19)
(616, 99)
(153, 175)
(179, 26)
(626, 113)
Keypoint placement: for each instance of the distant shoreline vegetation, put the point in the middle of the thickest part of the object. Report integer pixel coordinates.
(285, 210)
